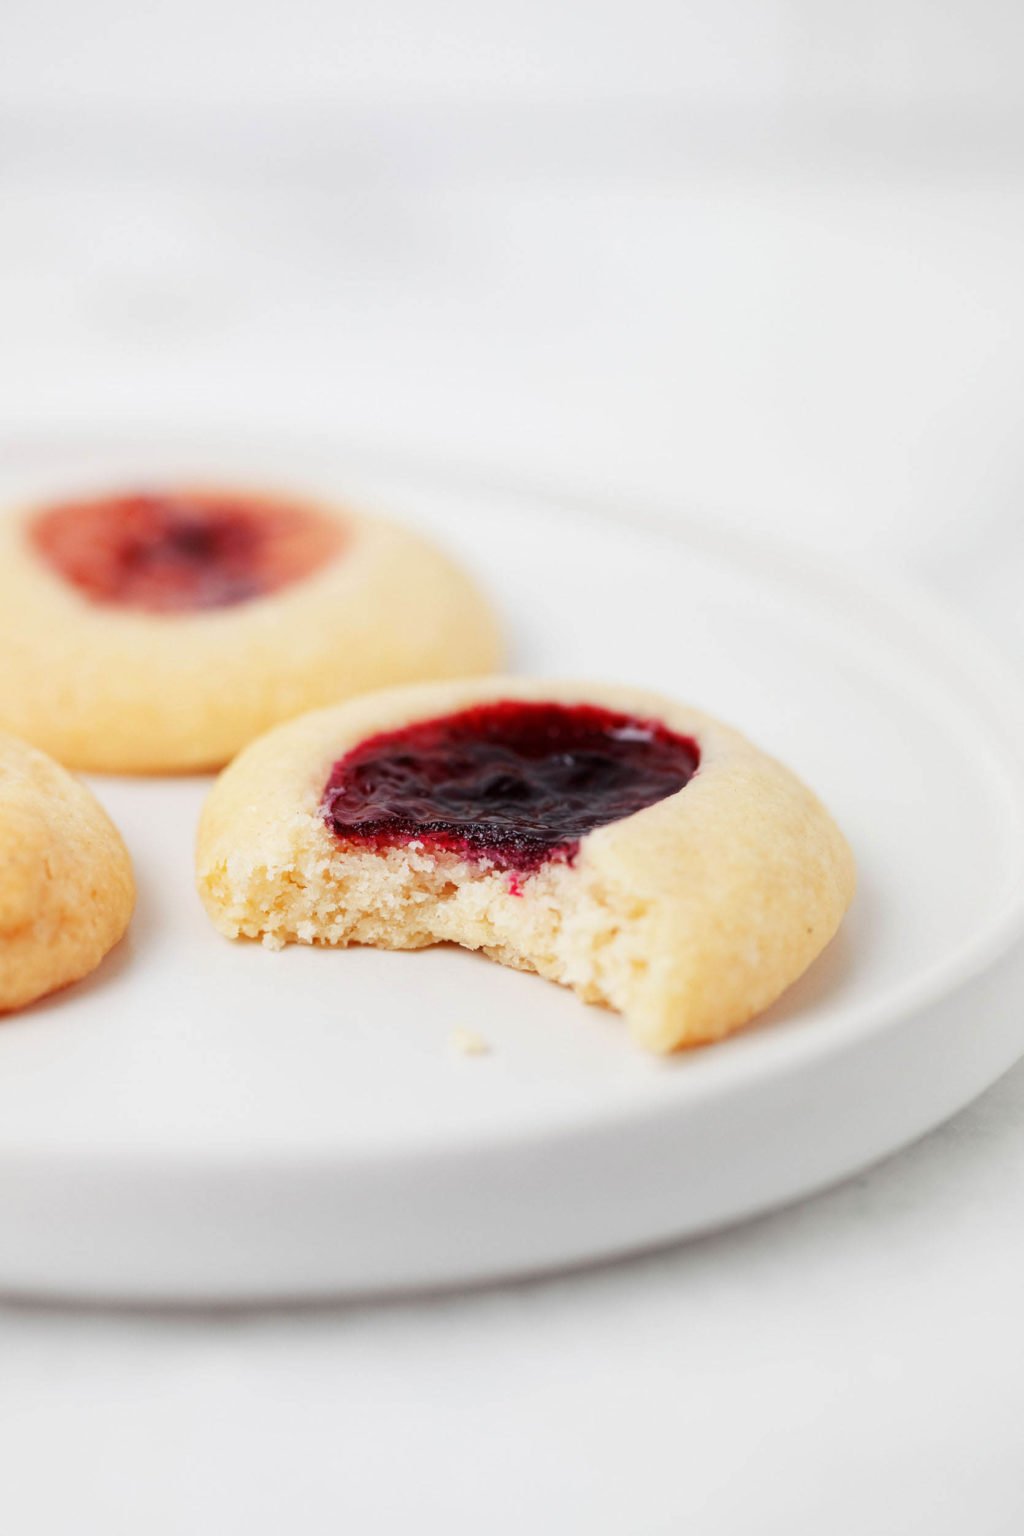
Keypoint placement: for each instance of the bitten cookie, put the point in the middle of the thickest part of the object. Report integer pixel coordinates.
(612, 840)
(66, 887)
(161, 631)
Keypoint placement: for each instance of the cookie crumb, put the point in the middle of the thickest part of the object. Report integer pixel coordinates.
(272, 941)
(468, 1043)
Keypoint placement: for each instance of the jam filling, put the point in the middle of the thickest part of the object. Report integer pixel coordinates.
(169, 552)
(512, 783)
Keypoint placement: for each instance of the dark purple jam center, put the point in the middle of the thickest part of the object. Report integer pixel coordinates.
(513, 783)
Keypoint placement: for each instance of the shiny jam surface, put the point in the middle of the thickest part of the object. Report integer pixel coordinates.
(169, 552)
(512, 783)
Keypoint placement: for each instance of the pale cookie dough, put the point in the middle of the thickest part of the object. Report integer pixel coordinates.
(66, 887)
(689, 916)
(132, 651)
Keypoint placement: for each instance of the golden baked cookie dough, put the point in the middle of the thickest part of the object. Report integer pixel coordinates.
(66, 887)
(161, 631)
(689, 915)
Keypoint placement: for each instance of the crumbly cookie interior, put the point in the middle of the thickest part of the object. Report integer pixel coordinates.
(561, 921)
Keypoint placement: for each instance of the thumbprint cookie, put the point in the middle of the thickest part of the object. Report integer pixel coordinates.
(66, 887)
(160, 631)
(629, 847)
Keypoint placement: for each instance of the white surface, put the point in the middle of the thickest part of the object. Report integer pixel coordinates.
(810, 326)
(211, 1120)
(57, 52)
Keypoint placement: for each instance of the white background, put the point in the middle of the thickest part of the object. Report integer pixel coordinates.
(761, 262)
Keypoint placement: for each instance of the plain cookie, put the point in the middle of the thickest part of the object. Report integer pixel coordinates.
(66, 887)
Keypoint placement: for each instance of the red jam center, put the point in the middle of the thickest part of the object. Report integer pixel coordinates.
(512, 783)
(176, 551)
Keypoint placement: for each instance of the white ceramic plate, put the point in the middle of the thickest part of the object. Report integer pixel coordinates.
(203, 1120)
